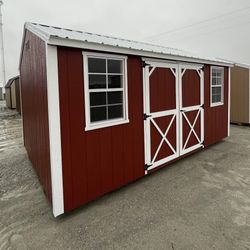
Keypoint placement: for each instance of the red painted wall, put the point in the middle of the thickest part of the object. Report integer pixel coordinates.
(215, 118)
(35, 108)
(98, 161)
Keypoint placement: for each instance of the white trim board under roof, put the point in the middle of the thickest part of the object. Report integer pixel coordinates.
(85, 40)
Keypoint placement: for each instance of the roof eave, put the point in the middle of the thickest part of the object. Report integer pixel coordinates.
(37, 32)
(58, 41)
(243, 65)
(43, 35)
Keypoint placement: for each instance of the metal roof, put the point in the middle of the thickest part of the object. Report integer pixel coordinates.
(74, 38)
(10, 81)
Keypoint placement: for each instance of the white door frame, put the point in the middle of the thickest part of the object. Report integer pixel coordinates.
(199, 108)
(150, 162)
(177, 113)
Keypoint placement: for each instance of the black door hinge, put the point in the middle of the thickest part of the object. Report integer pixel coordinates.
(147, 166)
(145, 116)
(144, 64)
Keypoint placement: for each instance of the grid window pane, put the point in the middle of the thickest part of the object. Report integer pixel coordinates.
(217, 85)
(216, 94)
(114, 81)
(115, 111)
(115, 97)
(97, 81)
(98, 114)
(219, 81)
(216, 98)
(97, 65)
(115, 66)
(213, 81)
(97, 99)
(219, 72)
(216, 90)
(104, 76)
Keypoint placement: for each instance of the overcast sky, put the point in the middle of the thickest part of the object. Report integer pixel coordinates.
(217, 28)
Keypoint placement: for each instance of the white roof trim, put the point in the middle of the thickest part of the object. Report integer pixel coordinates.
(84, 40)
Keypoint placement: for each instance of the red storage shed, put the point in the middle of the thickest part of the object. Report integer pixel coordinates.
(100, 112)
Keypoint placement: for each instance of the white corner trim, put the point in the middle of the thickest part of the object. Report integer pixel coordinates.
(54, 130)
(229, 100)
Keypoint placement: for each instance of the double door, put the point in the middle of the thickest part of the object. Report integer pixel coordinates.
(173, 111)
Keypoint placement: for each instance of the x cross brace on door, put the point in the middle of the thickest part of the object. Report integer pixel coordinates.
(191, 128)
(164, 137)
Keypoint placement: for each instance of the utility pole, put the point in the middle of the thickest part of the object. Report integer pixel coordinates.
(2, 63)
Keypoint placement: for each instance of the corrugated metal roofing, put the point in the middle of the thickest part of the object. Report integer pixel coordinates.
(48, 32)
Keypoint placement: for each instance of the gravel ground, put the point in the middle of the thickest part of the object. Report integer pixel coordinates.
(201, 202)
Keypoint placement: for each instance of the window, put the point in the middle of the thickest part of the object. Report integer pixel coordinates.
(217, 83)
(105, 84)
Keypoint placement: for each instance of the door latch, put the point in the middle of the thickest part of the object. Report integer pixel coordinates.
(145, 116)
(147, 166)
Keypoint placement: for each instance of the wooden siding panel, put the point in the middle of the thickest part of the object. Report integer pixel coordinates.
(119, 167)
(106, 160)
(162, 81)
(134, 131)
(35, 108)
(75, 71)
(190, 88)
(215, 118)
(93, 164)
(98, 161)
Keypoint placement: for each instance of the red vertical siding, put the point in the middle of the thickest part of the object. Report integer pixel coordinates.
(162, 81)
(190, 88)
(98, 161)
(35, 108)
(162, 92)
(215, 118)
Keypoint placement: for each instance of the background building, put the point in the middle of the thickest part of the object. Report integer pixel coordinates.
(240, 94)
(12, 94)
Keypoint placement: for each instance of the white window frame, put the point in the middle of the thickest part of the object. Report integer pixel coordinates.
(215, 104)
(112, 122)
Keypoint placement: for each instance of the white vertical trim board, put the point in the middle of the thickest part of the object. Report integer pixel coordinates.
(54, 130)
(229, 100)
(149, 159)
